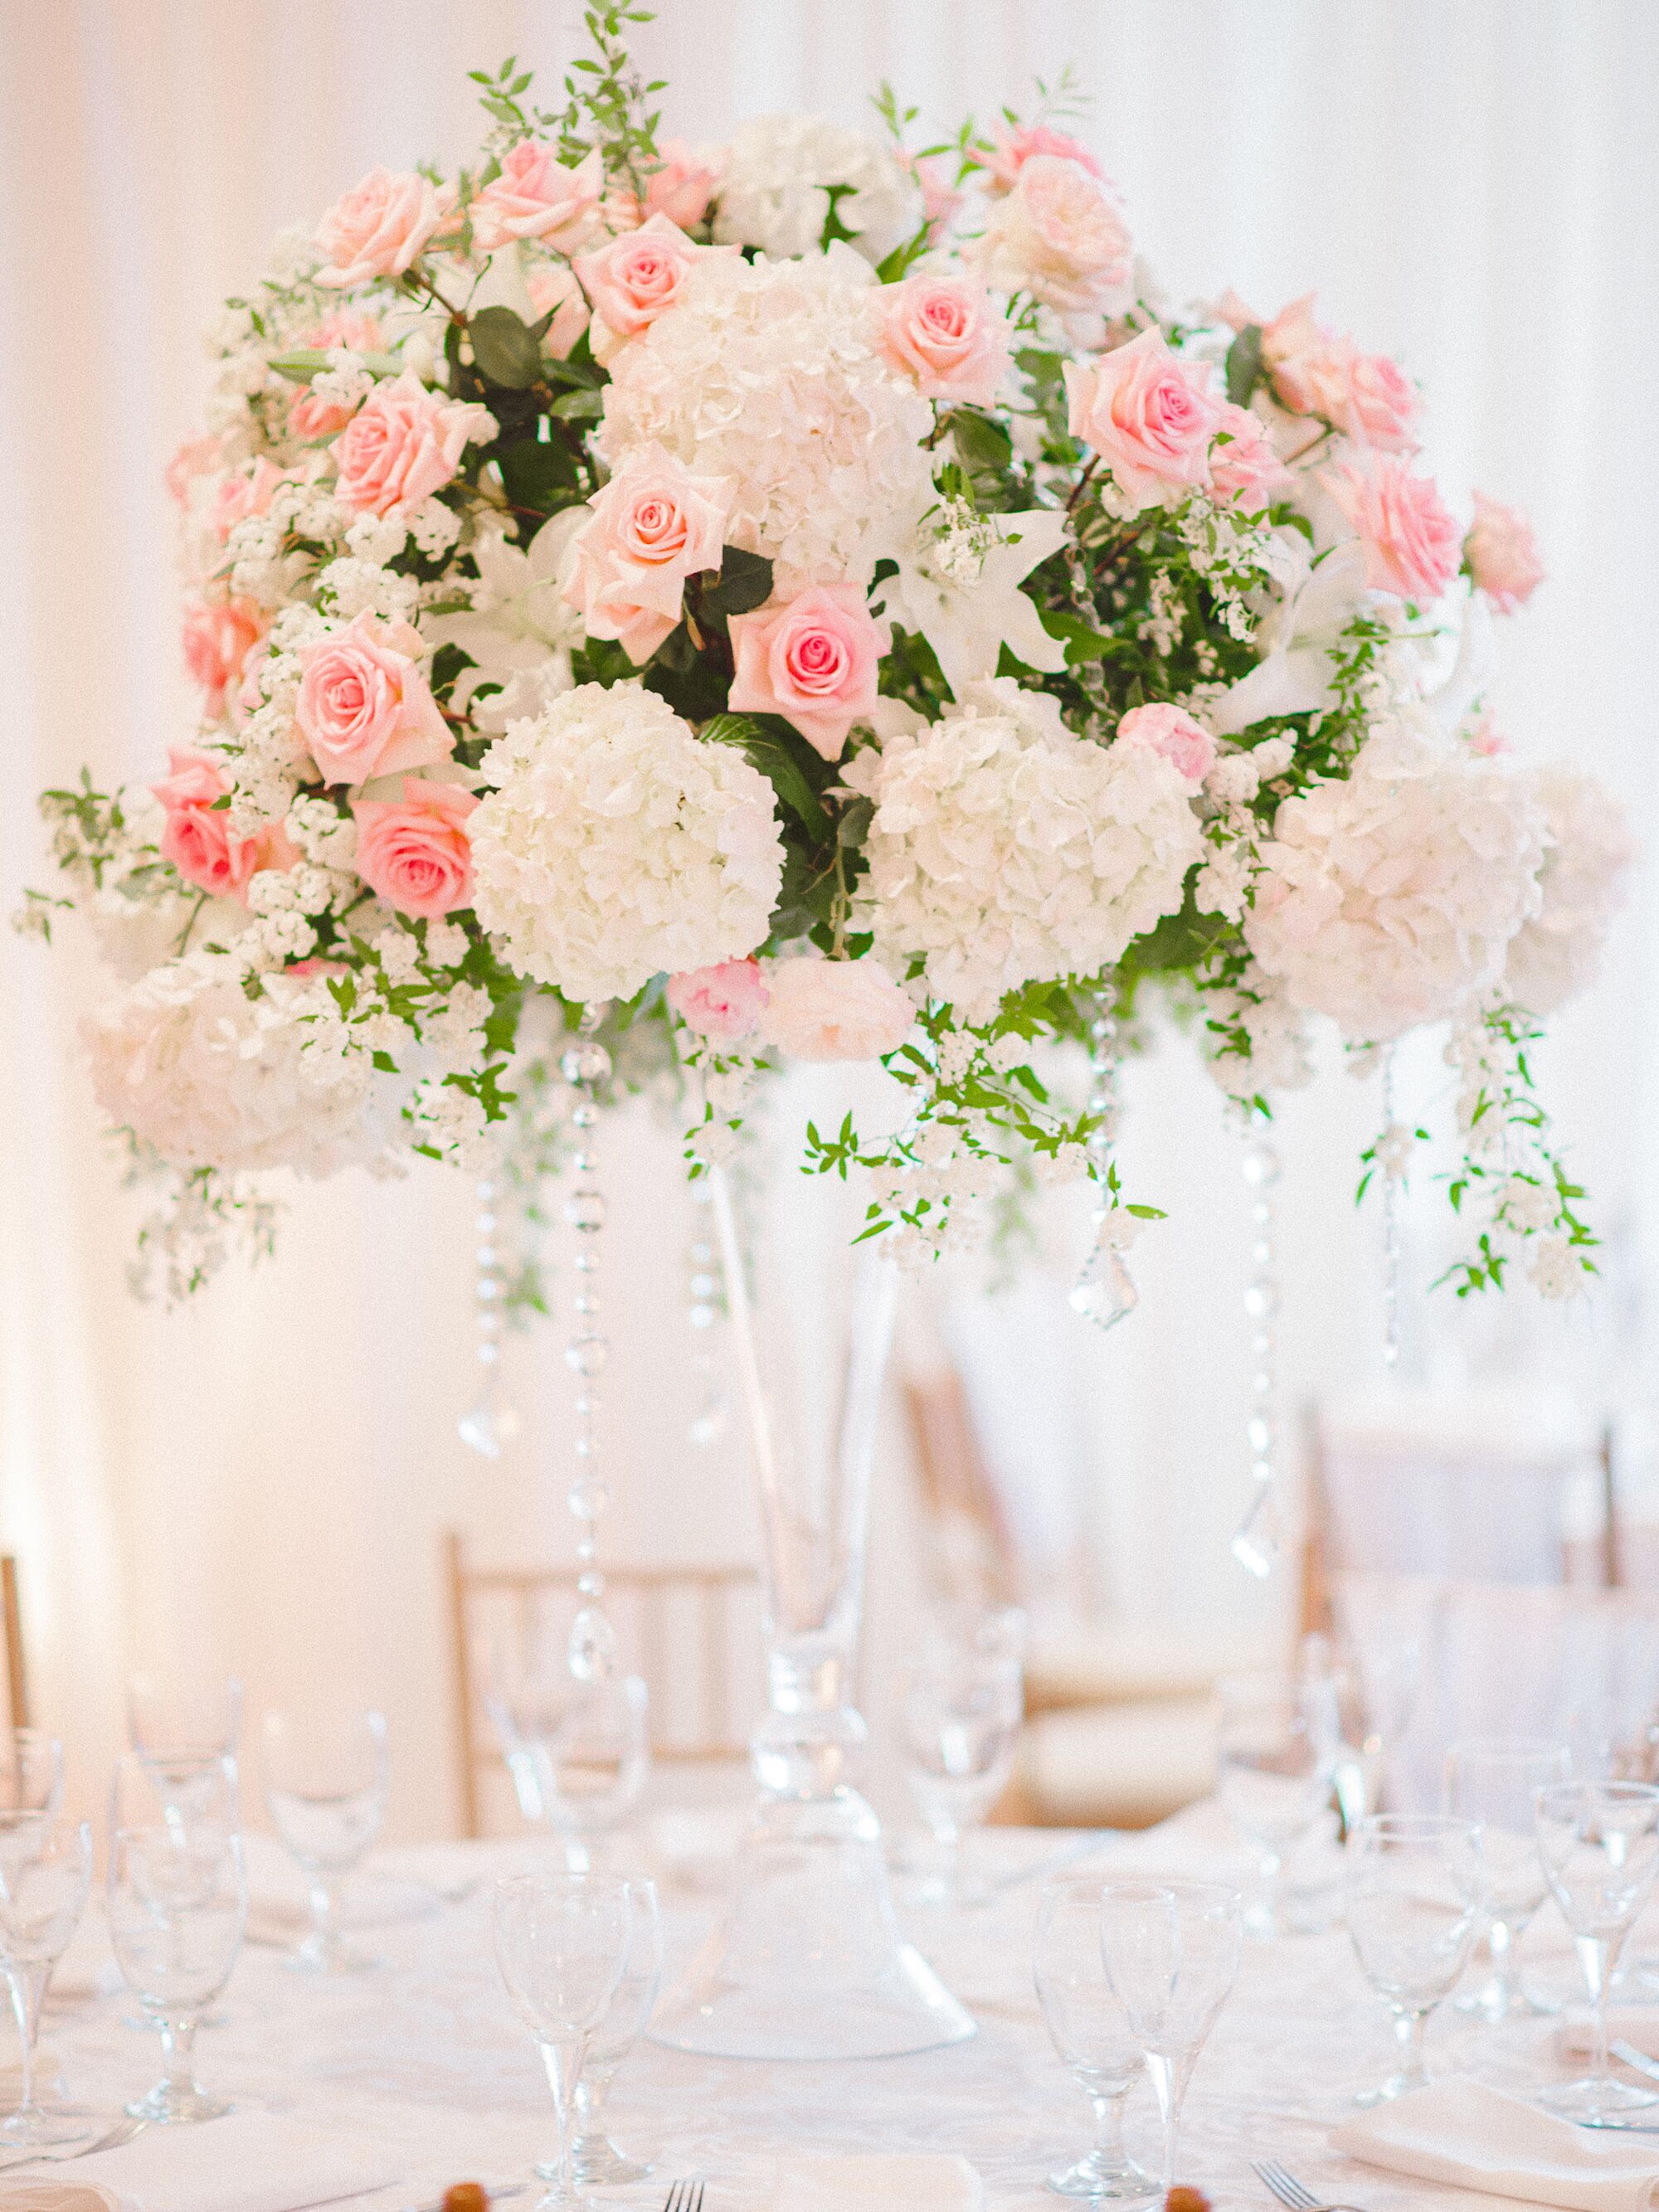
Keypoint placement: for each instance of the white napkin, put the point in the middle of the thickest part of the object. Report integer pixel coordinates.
(1463, 2132)
(1637, 2024)
(32, 2194)
(919, 2183)
(248, 2162)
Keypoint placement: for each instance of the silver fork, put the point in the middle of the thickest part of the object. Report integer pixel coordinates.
(1289, 2191)
(122, 2132)
(684, 2197)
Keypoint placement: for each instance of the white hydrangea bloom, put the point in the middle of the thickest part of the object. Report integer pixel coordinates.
(768, 374)
(1004, 850)
(1556, 954)
(1390, 899)
(780, 169)
(616, 846)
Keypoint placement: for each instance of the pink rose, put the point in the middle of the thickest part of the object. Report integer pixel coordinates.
(1365, 395)
(197, 457)
(248, 492)
(834, 1009)
(630, 280)
(553, 289)
(381, 225)
(198, 838)
(364, 706)
(1485, 737)
(310, 417)
(1014, 149)
(1243, 465)
(1173, 736)
(315, 967)
(1292, 331)
(814, 659)
(1380, 406)
(414, 852)
(1410, 541)
(940, 198)
(403, 443)
(681, 188)
(1148, 417)
(1059, 235)
(653, 526)
(943, 331)
(1501, 554)
(722, 1003)
(218, 636)
(536, 195)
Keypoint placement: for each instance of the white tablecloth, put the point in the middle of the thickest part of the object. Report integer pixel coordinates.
(426, 2052)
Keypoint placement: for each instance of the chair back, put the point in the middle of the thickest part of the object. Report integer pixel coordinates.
(691, 1633)
(19, 1713)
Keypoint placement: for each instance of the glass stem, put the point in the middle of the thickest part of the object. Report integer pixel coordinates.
(326, 1913)
(590, 2095)
(948, 1836)
(1596, 1957)
(1162, 2070)
(178, 2054)
(27, 1986)
(1108, 2129)
(1272, 1869)
(1409, 2027)
(564, 2062)
(1500, 1942)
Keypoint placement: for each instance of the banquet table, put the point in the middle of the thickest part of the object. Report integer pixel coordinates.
(424, 2054)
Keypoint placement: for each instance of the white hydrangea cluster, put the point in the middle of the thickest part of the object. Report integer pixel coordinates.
(1268, 1039)
(768, 373)
(1005, 851)
(779, 172)
(1389, 898)
(1556, 954)
(209, 1077)
(616, 845)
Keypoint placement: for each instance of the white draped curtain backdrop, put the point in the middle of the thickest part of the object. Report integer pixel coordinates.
(258, 1481)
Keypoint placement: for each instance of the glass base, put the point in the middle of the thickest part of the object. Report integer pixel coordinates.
(314, 1956)
(1095, 2176)
(47, 2123)
(599, 2164)
(168, 2107)
(807, 1960)
(1589, 2100)
(1495, 2001)
(1397, 2085)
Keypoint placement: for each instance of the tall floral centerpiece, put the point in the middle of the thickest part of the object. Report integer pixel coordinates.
(671, 612)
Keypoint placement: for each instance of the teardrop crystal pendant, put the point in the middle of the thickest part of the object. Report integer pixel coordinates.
(708, 1424)
(1259, 1543)
(1105, 1291)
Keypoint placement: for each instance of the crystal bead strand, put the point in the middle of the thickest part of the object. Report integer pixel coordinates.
(586, 1064)
(708, 1425)
(1256, 1545)
(487, 1424)
(1104, 1291)
(1391, 1182)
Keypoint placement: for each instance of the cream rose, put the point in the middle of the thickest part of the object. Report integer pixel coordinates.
(834, 1009)
(379, 227)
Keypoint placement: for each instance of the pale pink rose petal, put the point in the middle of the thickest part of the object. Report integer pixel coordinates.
(554, 289)
(537, 195)
(633, 279)
(1012, 150)
(1410, 542)
(198, 838)
(943, 331)
(218, 636)
(652, 526)
(402, 445)
(1149, 416)
(379, 227)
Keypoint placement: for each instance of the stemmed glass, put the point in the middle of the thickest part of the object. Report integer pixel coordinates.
(597, 2158)
(31, 1771)
(325, 1783)
(562, 1944)
(579, 1752)
(1600, 1845)
(183, 1794)
(1493, 1780)
(1171, 1953)
(1275, 1754)
(45, 1867)
(178, 1904)
(963, 1705)
(192, 1720)
(1091, 2031)
(1415, 1898)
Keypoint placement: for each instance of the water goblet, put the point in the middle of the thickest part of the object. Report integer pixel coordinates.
(962, 1705)
(1171, 1953)
(197, 1718)
(562, 1945)
(1275, 1754)
(1415, 1898)
(31, 1771)
(596, 2158)
(45, 1867)
(579, 1752)
(325, 1784)
(1600, 1845)
(1091, 2032)
(178, 1904)
(1493, 1780)
(180, 1793)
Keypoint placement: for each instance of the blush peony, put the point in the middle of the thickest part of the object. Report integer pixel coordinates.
(1057, 234)
(824, 1010)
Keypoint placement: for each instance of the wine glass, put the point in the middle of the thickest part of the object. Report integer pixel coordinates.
(178, 1904)
(1415, 1898)
(1600, 1845)
(1171, 1953)
(31, 1771)
(180, 1793)
(579, 1752)
(45, 1867)
(562, 1944)
(962, 1705)
(1493, 1780)
(325, 1783)
(1273, 1767)
(597, 2158)
(1091, 2031)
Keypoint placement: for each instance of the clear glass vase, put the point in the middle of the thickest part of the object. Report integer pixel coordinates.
(807, 1960)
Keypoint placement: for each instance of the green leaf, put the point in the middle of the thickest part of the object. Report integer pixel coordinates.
(1244, 364)
(1180, 941)
(981, 442)
(769, 753)
(300, 366)
(504, 349)
(1083, 642)
(534, 475)
(745, 583)
(578, 406)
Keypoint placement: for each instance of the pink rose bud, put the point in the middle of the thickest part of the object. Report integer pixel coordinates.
(381, 226)
(414, 852)
(814, 659)
(1150, 417)
(402, 445)
(943, 331)
(536, 195)
(364, 706)
(198, 838)
(834, 1009)
(632, 279)
(1502, 554)
(553, 289)
(218, 636)
(722, 1003)
(1171, 733)
(653, 526)
(1410, 541)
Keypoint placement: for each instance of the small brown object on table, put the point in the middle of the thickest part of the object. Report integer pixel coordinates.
(1186, 2200)
(466, 2196)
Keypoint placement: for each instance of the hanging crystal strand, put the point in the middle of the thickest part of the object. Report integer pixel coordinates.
(1389, 1159)
(1104, 1291)
(708, 1425)
(487, 1424)
(585, 1065)
(1260, 1536)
